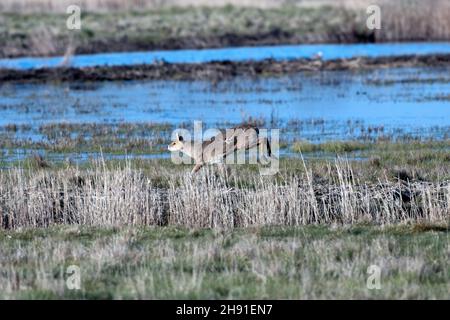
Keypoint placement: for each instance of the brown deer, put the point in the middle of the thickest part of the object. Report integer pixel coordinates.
(216, 149)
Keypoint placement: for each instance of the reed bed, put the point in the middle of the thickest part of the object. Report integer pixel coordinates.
(412, 20)
(125, 196)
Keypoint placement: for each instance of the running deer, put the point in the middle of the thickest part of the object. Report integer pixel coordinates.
(216, 149)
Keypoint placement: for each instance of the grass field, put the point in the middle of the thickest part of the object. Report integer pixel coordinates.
(142, 228)
(312, 262)
(166, 28)
(30, 31)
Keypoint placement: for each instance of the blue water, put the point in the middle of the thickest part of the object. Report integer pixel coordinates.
(344, 101)
(329, 52)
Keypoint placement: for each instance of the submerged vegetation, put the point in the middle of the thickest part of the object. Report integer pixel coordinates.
(79, 142)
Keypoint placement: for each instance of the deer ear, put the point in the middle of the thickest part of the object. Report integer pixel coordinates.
(179, 138)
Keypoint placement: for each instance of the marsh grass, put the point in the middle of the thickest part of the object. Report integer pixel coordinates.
(121, 195)
(62, 140)
(310, 262)
(142, 229)
(144, 25)
(332, 146)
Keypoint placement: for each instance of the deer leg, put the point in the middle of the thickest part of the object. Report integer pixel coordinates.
(224, 169)
(264, 150)
(261, 143)
(196, 168)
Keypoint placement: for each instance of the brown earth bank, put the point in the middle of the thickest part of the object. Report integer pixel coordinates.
(216, 71)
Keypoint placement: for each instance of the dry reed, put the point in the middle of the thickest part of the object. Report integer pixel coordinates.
(126, 196)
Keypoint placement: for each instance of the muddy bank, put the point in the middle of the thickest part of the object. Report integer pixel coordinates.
(275, 36)
(216, 71)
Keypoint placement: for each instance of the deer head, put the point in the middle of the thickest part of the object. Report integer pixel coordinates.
(177, 145)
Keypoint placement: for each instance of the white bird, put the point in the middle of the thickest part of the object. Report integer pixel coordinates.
(318, 55)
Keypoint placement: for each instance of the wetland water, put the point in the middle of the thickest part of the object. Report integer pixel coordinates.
(328, 51)
(404, 100)
(317, 106)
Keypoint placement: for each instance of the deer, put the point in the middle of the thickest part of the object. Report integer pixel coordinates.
(215, 150)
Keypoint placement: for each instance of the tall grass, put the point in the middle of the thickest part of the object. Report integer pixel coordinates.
(126, 196)
(405, 20)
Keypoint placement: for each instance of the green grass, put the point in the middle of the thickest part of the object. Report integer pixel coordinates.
(272, 262)
(200, 27)
(333, 146)
(162, 28)
(427, 160)
(379, 146)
